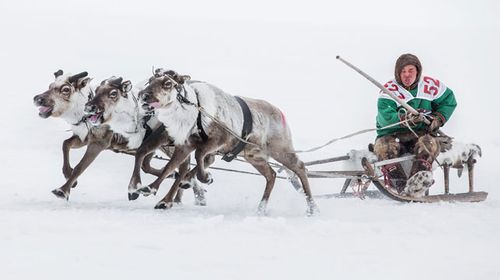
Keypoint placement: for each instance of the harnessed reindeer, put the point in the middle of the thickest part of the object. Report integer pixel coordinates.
(198, 116)
(115, 106)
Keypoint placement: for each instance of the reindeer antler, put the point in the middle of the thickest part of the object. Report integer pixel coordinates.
(116, 82)
(58, 73)
(75, 78)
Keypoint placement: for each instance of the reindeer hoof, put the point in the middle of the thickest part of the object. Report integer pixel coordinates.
(205, 178)
(210, 179)
(146, 191)
(312, 208)
(163, 205)
(200, 201)
(262, 209)
(133, 196)
(60, 194)
(185, 185)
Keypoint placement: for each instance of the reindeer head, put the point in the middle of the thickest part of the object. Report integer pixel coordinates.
(110, 95)
(162, 89)
(63, 94)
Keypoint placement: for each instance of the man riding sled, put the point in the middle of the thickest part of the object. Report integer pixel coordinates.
(434, 101)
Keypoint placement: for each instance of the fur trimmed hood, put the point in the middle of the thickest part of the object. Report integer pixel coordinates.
(407, 59)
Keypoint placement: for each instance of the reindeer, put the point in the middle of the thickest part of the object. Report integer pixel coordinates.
(179, 104)
(66, 98)
(115, 106)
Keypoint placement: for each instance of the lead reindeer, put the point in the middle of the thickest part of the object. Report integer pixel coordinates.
(177, 100)
(65, 99)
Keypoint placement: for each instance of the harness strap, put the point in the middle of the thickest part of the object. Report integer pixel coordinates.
(145, 125)
(199, 125)
(247, 129)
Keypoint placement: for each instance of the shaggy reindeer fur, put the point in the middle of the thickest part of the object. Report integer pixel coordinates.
(271, 135)
(459, 154)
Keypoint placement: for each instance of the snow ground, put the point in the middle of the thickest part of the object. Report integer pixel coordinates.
(283, 52)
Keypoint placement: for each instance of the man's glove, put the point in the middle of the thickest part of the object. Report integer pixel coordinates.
(413, 119)
(435, 124)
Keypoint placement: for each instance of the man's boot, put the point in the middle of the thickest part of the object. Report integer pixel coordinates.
(421, 180)
(426, 150)
(394, 176)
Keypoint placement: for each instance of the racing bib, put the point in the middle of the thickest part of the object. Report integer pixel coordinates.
(428, 88)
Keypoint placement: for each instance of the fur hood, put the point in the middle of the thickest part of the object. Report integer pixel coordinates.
(407, 59)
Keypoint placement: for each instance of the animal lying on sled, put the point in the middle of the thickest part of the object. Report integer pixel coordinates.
(202, 118)
(66, 99)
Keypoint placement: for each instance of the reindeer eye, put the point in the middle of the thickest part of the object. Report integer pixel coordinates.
(113, 93)
(167, 84)
(65, 90)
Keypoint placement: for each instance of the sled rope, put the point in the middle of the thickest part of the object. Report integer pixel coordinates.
(222, 125)
(349, 136)
(225, 169)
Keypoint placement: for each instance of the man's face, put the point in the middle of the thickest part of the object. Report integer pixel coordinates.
(408, 75)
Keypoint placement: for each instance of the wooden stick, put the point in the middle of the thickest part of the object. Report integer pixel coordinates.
(382, 88)
(446, 170)
(470, 168)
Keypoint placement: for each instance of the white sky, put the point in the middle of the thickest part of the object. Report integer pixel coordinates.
(428, 13)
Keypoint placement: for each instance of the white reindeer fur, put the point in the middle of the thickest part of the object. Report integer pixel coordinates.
(459, 153)
(75, 112)
(180, 119)
(125, 119)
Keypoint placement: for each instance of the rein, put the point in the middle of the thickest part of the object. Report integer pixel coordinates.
(183, 100)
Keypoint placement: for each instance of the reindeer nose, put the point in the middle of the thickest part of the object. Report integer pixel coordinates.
(90, 108)
(146, 95)
(38, 100)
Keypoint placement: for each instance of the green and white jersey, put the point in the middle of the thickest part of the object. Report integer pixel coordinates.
(430, 96)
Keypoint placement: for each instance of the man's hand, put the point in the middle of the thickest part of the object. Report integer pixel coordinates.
(413, 119)
(435, 124)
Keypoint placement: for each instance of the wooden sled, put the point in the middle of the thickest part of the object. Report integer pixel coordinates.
(369, 175)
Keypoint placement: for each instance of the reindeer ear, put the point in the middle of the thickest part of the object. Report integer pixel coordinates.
(184, 78)
(126, 86)
(81, 83)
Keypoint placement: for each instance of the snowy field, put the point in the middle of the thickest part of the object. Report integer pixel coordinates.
(281, 51)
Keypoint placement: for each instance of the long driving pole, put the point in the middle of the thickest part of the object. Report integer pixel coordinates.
(381, 87)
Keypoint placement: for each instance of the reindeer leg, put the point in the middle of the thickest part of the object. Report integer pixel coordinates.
(185, 177)
(93, 150)
(292, 162)
(189, 181)
(73, 142)
(147, 168)
(179, 156)
(144, 154)
(183, 171)
(265, 169)
(204, 157)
